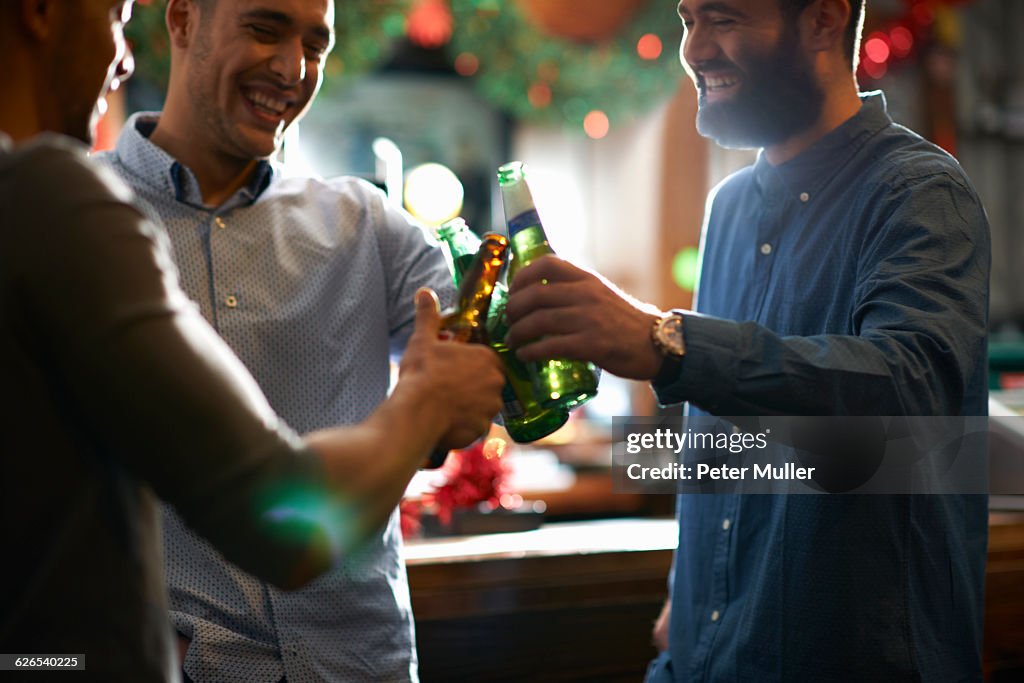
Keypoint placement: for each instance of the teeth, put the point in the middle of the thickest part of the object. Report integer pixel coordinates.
(716, 82)
(277, 107)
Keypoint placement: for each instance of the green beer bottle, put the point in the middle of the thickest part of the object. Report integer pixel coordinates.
(560, 382)
(524, 418)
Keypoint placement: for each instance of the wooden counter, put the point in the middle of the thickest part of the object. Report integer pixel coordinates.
(507, 606)
(1004, 598)
(521, 607)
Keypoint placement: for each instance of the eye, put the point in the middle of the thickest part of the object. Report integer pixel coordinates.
(315, 53)
(262, 32)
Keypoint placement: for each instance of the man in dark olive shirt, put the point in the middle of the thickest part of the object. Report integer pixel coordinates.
(844, 273)
(116, 389)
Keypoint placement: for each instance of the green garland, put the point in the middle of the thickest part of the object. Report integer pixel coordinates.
(611, 77)
(513, 56)
(364, 30)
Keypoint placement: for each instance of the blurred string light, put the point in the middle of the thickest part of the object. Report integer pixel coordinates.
(433, 194)
(581, 65)
(466, 64)
(429, 23)
(596, 124)
(649, 47)
(922, 22)
(609, 56)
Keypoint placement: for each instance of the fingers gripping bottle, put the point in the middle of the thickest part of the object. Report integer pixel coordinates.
(467, 321)
(524, 418)
(560, 382)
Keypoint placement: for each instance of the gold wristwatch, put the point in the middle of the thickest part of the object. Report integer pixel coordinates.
(667, 337)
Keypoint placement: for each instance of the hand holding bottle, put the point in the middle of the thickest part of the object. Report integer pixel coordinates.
(464, 379)
(558, 310)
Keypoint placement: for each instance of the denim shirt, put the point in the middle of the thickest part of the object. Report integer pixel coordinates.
(850, 280)
(311, 283)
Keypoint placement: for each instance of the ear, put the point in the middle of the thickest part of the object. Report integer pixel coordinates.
(182, 19)
(39, 17)
(823, 25)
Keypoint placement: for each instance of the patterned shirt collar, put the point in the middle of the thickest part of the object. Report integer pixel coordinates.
(139, 154)
(804, 175)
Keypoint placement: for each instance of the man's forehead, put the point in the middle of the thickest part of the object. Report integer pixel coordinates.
(316, 10)
(692, 7)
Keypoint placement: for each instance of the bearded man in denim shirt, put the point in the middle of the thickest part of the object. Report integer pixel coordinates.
(845, 273)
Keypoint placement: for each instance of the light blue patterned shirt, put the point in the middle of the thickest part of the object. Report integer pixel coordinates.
(311, 282)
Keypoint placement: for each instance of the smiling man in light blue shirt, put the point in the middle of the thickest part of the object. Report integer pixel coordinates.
(311, 283)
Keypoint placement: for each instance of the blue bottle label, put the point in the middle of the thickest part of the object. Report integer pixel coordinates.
(513, 409)
(526, 219)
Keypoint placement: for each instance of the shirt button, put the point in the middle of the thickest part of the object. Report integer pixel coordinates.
(219, 222)
(715, 615)
(804, 197)
(726, 524)
(231, 301)
(766, 248)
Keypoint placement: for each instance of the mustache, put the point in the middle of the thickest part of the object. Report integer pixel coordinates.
(712, 65)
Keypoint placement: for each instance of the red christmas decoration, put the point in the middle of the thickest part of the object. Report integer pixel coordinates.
(473, 476)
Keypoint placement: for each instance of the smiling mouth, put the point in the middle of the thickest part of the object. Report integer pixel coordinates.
(267, 105)
(714, 85)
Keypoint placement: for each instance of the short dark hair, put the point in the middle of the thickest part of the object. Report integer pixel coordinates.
(791, 9)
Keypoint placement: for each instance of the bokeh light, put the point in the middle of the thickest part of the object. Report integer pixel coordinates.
(596, 124)
(539, 95)
(877, 50)
(649, 47)
(685, 268)
(902, 41)
(433, 194)
(466, 64)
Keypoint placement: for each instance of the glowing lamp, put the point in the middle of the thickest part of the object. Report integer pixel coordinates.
(433, 194)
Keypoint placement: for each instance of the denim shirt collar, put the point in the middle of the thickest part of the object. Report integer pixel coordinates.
(801, 178)
(158, 168)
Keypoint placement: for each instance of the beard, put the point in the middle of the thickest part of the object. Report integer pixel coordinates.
(778, 98)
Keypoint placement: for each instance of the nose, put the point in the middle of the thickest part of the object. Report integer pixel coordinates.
(126, 67)
(289, 62)
(697, 46)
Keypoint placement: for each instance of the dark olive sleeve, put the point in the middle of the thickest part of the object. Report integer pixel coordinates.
(152, 383)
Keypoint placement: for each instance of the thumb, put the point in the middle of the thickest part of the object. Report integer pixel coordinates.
(428, 315)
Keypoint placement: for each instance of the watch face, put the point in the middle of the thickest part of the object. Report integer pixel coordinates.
(670, 334)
